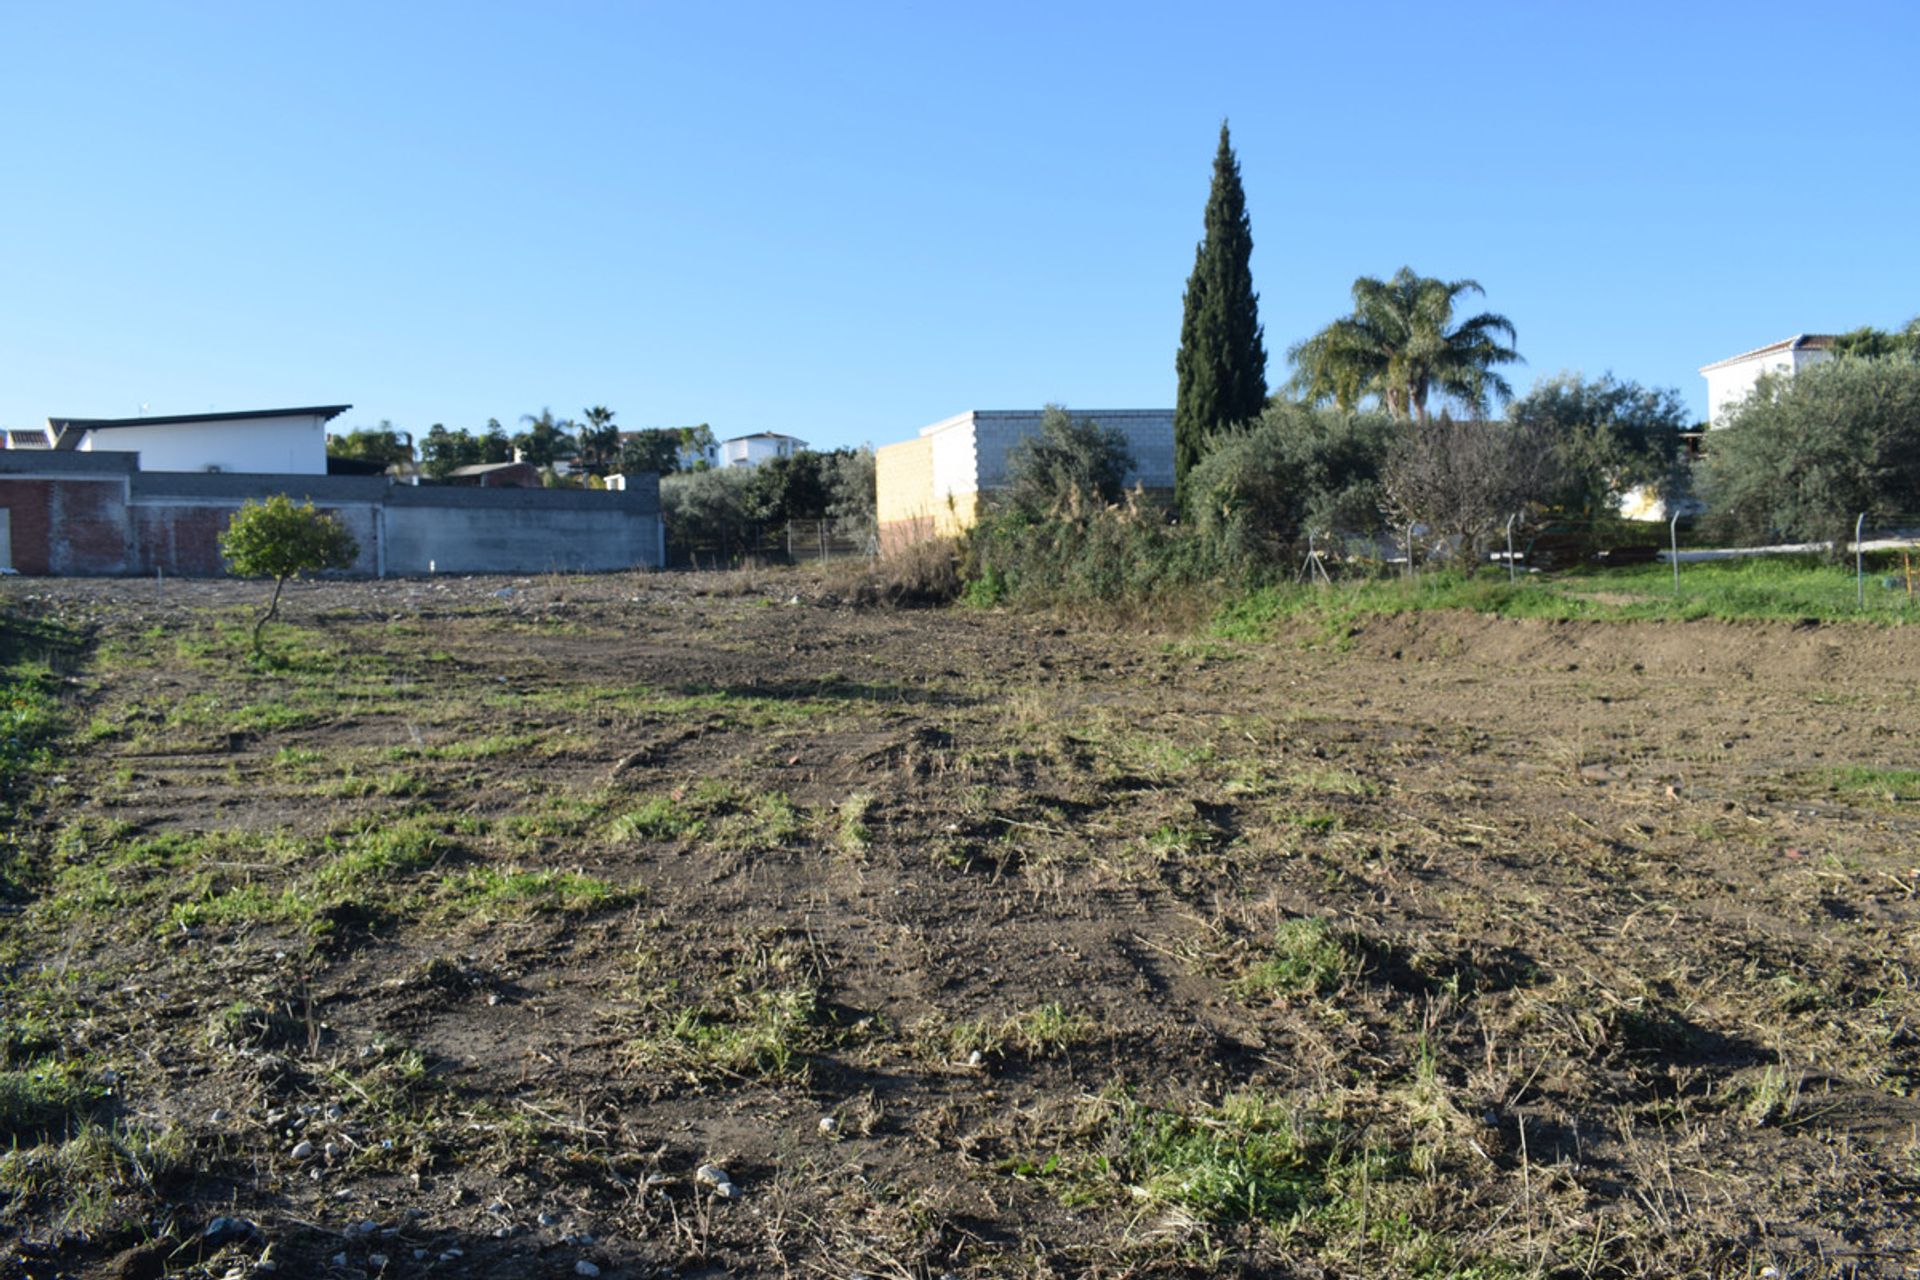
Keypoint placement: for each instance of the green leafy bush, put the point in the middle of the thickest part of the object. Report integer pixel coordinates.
(275, 539)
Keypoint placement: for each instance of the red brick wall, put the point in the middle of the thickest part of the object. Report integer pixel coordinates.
(183, 541)
(90, 517)
(26, 503)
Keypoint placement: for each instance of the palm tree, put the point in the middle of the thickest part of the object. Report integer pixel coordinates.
(1402, 345)
(599, 440)
(546, 440)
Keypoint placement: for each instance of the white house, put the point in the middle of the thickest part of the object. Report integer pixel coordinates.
(1732, 380)
(255, 441)
(761, 446)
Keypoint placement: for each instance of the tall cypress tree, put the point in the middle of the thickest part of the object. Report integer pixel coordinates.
(1222, 361)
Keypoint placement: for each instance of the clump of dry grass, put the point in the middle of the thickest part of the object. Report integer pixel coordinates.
(926, 572)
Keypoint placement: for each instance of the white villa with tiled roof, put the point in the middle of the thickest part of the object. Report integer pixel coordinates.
(1732, 380)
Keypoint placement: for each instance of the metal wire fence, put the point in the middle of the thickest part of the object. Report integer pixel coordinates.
(1874, 567)
(789, 542)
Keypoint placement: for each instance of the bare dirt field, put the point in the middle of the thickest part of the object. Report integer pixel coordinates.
(706, 925)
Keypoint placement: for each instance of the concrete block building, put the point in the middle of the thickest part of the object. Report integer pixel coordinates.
(936, 482)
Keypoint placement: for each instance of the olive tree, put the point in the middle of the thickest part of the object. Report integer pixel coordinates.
(1070, 466)
(275, 539)
(1263, 488)
(1608, 436)
(1803, 456)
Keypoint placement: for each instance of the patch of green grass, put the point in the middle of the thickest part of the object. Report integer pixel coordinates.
(1890, 785)
(44, 1098)
(491, 747)
(853, 832)
(107, 870)
(754, 1033)
(383, 852)
(30, 717)
(1787, 588)
(30, 720)
(245, 1024)
(101, 1178)
(1044, 1031)
(513, 889)
(249, 903)
(661, 818)
(297, 759)
(267, 717)
(1248, 1159)
(757, 822)
(1173, 840)
(1307, 957)
(765, 1018)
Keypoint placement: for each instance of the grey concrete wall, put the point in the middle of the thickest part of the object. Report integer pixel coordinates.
(446, 539)
(173, 520)
(1148, 432)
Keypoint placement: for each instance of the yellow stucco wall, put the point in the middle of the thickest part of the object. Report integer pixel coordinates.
(904, 503)
(903, 481)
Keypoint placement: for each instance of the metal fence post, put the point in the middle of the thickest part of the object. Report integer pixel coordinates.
(1673, 543)
(1511, 572)
(1859, 561)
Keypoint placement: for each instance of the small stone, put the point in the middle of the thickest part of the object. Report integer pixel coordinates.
(303, 1150)
(712, 1175)
(585, 1268)
(419, 1255)
(331, 1150)
(829, 1126)
(222, 1231)
(549, 1219)
(340, 1259)
(378, 1261)
(498, 1206)
(219, 1116)
(503, 1232)
(974, 1059)
(452, 1255)
(367, 1227)
(335, 1111)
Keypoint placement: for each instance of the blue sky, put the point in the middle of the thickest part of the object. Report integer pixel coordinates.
(845, 222)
